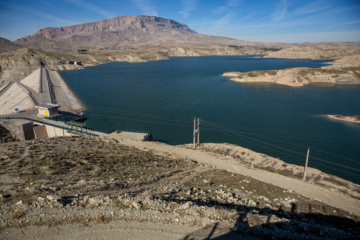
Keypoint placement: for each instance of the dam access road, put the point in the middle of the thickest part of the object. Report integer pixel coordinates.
(331, 197)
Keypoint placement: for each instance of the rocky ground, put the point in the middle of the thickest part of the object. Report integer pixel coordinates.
(76, 184)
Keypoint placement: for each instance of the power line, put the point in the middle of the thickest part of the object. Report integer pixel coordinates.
(224, 130)
(288, 149)
(141, 120)
(269, 144)
(336, 155)
(336, 169)
(340, 165)
(280, 133)
(139, 114)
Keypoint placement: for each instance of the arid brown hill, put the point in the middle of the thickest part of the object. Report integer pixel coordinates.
(6, 45)
(124, 31)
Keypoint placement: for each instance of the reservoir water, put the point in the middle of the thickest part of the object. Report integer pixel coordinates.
(163, 97)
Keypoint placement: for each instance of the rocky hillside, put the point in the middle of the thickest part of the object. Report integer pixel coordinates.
(112, 33)
(315, 52)
(124, 31)
(348, 61)
(16, 65)
(6, 45)
(87, 182)
(129, 24)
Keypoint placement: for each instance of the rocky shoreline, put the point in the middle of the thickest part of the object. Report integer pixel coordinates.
(298, 77)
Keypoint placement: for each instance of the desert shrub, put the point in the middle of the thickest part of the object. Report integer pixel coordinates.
(273, 73)
(252, 74)
(101, 219)
(16, 215)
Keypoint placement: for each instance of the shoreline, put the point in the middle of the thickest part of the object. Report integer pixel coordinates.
(234, 76)
(350, 119)
(298, 77)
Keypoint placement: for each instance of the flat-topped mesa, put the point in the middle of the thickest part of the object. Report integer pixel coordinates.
(126, 31)
(297, 77)
(114, 25)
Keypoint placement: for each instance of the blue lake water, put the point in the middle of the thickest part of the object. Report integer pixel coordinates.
(163, 97)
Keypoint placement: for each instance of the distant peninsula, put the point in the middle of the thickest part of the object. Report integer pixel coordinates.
(352, 119)
(345, 70)
(297, 77)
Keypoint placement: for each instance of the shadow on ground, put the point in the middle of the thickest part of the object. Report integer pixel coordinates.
(266, 223)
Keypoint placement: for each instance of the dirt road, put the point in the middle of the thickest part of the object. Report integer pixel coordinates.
(112, 230)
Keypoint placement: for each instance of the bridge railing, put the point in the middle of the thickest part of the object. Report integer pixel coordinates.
(75, 131)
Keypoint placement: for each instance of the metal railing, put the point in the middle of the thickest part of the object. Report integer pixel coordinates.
(75, 131)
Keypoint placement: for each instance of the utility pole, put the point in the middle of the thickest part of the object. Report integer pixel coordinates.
(306, 164)
(196, 133)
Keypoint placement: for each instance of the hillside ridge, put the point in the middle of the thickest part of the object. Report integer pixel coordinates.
(122, 23)
(125, 31)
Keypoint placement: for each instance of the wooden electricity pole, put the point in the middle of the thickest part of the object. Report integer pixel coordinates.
(306, 164)
(196, 133)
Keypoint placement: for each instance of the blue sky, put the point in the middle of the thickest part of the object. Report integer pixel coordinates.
(252, 20)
